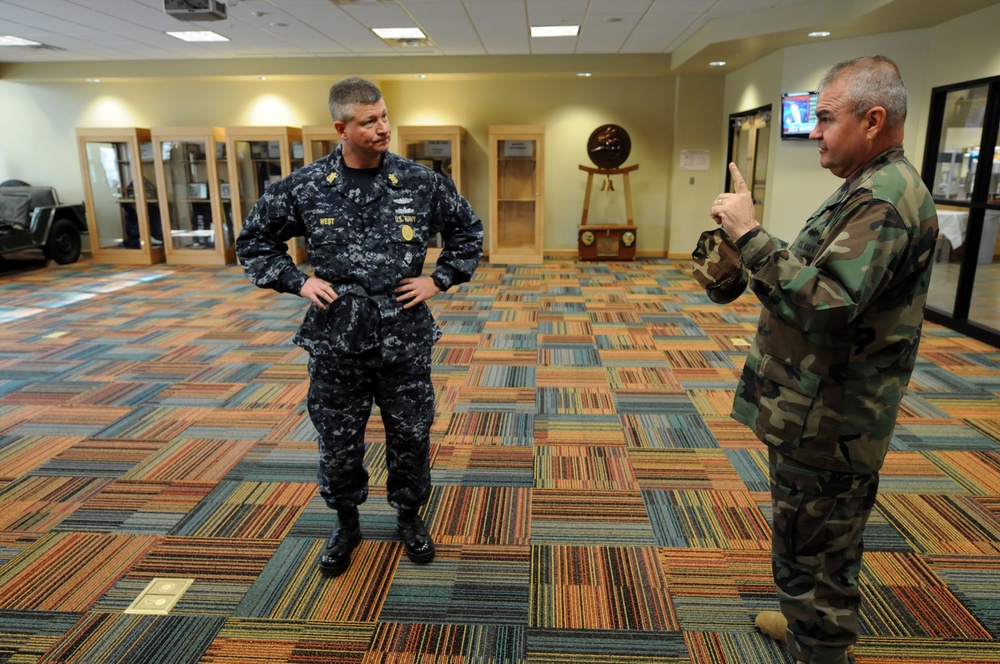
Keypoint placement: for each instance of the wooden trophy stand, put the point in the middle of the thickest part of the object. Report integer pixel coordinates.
(611, 242)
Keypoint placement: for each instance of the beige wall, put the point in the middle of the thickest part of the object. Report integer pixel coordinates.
(663, 114)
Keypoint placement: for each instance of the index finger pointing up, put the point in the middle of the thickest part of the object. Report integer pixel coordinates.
(739, 184)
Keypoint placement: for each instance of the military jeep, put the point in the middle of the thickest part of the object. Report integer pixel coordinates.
(33, 218)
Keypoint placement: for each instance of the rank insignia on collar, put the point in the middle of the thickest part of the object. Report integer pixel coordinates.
(331, 177)
(393, 179)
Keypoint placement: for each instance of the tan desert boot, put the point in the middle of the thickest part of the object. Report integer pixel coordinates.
(773, 624)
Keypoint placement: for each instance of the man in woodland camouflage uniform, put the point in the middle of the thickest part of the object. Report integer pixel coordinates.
(835, 347)
(366, 215)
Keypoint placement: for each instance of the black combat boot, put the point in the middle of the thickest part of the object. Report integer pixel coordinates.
(345, 537)
(417, 542)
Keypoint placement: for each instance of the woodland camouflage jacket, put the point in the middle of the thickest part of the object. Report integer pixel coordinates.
(363, 245)
(843, 305)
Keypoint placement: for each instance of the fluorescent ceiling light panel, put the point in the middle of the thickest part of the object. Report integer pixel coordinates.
(555, 30)
(400, 33)
(199, 36)
(11, 40)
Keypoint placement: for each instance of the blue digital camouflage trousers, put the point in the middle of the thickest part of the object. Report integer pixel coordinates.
(816, 550)
(340, 402)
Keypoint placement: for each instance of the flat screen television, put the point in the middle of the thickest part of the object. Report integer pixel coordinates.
(798, 114)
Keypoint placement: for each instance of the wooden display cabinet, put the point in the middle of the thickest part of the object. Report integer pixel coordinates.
(440, 149)
(191, 164)
(517, 193)
(318, 141)
(258, 157)
(123, 215)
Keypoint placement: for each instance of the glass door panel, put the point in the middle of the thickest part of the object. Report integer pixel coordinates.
(958, 151)
(185, 172)
(964, 175)
(749, 142)
(109, 172)
(148, 167)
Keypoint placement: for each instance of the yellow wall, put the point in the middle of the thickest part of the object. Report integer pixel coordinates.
(663, 113)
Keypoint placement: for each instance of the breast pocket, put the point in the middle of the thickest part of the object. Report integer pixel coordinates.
(328, 247)
(408, 242)
(787, 394)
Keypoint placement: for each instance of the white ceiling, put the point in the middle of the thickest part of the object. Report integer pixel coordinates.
(134, 30)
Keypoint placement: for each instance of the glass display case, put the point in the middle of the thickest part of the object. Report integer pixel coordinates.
(191, 169)
(318, 141)
(516, 193)
(258, 157)
(123, 214)
(439, 148)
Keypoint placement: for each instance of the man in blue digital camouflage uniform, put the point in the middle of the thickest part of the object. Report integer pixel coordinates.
(366, 215)
(842, 308)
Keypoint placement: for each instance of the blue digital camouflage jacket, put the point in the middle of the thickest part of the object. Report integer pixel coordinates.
(363, 246)
(843, 306)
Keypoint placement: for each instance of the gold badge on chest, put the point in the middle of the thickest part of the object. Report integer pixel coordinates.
(407, 232)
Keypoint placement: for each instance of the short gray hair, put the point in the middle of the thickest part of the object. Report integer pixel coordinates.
(874, 80)
(350, 92)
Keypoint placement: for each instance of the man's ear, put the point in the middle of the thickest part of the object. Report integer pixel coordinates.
(875, 121)
(339, 126)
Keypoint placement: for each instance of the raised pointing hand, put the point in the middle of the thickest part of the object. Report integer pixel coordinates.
(735, 211)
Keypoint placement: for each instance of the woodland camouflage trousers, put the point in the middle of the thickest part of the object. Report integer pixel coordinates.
(816, 550)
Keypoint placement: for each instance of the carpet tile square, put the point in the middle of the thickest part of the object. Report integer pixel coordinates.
(580, 517)
(584, 467)
(474, 466)
(109, 637)
(289, 587)
(247, 510)
(598, 587)
(245, 641)
(704, 469)
(415, 643)
(68, 571)
(480, 515)
(465, 584)
(904, 597)
(597, 646)
(707, 520)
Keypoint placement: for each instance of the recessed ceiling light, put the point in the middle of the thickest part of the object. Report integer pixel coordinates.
(717, 63)
(198, 36)
(260, 78)
(420, 76)
(400, 33)
(819, 33)
(555, 30)
(11, 40)
(584, 74)
(93, 80)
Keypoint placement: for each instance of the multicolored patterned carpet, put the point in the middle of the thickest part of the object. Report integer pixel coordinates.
(592, 503)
